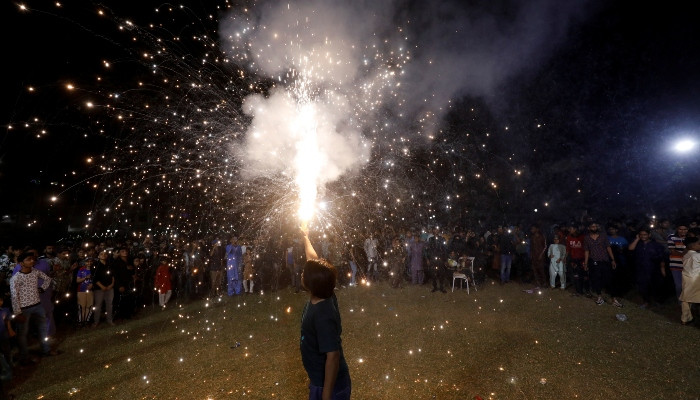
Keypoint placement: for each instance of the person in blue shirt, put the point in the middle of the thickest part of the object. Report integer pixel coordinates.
(650, 266)
(619, 246)
(234, 264)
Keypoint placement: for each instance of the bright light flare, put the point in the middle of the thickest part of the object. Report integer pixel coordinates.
(308, 160)
(685, 146)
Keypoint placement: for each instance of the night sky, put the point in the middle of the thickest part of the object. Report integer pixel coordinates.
(465, 112)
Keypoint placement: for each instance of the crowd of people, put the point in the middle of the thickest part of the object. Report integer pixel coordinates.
(89, 283)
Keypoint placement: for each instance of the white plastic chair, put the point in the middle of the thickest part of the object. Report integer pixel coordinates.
(469, 266)
(462, 278)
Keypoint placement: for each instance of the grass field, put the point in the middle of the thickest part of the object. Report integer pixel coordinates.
(499, 342)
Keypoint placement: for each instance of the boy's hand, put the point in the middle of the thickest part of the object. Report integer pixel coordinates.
(304, 228)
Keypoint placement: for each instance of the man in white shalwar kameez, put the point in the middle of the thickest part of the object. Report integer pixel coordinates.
(557, 256)
(691, 279)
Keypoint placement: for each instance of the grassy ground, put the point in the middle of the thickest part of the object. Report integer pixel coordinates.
(497, 343)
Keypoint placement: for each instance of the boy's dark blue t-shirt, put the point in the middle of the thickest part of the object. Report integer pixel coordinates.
(320, 334)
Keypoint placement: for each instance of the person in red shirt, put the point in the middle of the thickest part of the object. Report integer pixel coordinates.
(163, 282)
(575, 253)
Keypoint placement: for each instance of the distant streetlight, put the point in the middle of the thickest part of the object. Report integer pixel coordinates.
(684, 146)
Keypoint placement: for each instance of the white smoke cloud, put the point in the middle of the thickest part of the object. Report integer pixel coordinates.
(280, 124)
(346, 60)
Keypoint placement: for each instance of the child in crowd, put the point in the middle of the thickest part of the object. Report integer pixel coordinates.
(321, 349)
(557, 256)
(691, 279)
(85, 294)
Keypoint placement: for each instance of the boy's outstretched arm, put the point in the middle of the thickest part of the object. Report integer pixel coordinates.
(308, 247)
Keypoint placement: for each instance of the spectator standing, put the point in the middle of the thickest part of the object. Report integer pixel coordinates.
(458, 244)
(248, 270)
(43, 264)
(25, 287)
(506, 245)
(103, 286)
(538, 248)
(396, 259)
(662, 231)
(140, 267)
(84, 293)
(163, 282)
(217, 263)
(294, 261)
(234, 263)
(575, 254)
(557, 257)
(521, 260)
(598, 259)
(436, 252)
(352, 260)
(691, 280)
(372, 253)
(676, 248)
(649, 259)
(416, 257)
(336, 258)
(62, 273)
(123, 269)
(272, 261)
(619, 246)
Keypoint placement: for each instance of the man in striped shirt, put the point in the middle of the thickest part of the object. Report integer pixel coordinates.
(676, 248)
(26, 305)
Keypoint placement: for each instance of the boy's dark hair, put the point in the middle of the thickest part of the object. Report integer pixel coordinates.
(319, 278)
(682, 222)
(25, 255)
(690, 240)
